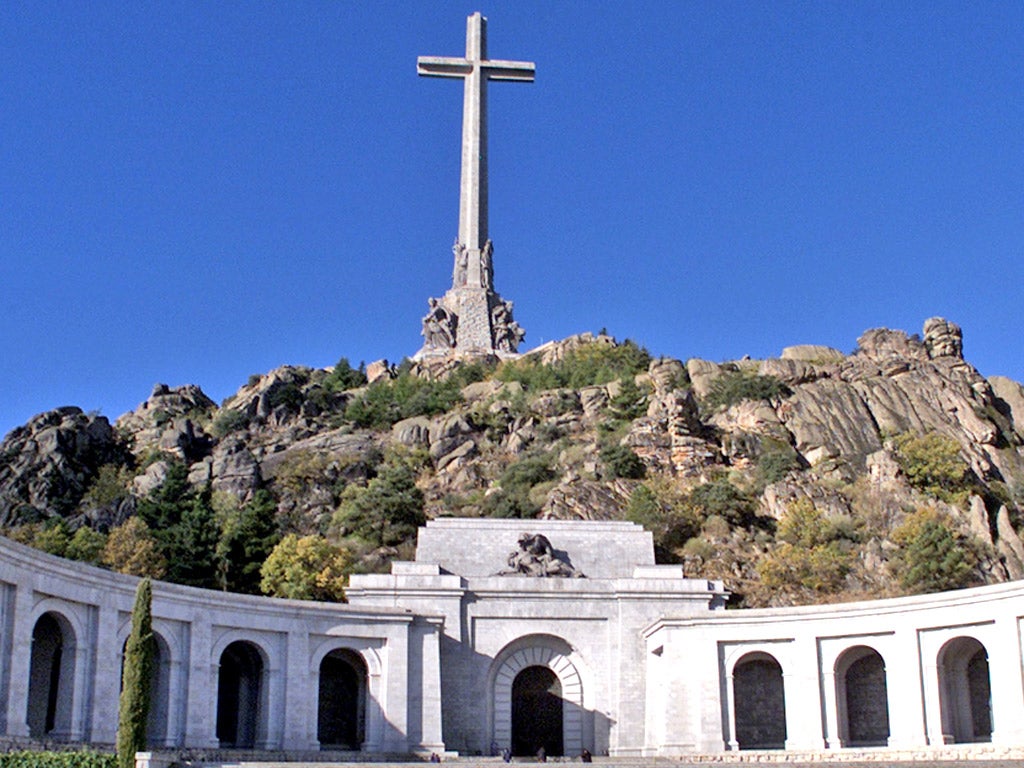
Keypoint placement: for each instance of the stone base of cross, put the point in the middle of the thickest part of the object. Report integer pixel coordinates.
(470, 319)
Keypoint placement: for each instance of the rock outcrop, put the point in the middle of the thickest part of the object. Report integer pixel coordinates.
(47, 465)
(813, 424)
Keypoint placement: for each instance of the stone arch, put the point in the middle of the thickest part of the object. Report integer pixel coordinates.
(965, 691)
(241, 695)
(51, 677)
(760, 703)
(548, 652)
(343, 681)
(159, 692)
(862, 697)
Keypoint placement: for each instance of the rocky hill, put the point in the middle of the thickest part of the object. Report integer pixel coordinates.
(813, 476)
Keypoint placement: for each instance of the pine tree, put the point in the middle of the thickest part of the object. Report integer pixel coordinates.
(138, 674)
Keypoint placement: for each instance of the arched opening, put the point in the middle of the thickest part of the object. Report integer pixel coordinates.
(760, 702)
(341, 713)
(558, 658)
(239, 690)
(863, 698)
(965, 691)
(159, 693)
(51, 675)
(536, 712)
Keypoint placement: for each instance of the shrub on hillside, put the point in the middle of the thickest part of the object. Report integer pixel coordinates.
(586, 366)
(736, 386)
(933, 465)
(227, 421)
(622, 461)
(810, 553)
(388, 401)
(513, 496)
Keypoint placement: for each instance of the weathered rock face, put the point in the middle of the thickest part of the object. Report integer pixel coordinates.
(167, 422)
(829, 427)
(47, 465)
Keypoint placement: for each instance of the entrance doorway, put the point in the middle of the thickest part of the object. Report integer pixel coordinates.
(759, 694)
(239, 688)
(51, 670)
(966, 691)
(341, 714)
(536, 712)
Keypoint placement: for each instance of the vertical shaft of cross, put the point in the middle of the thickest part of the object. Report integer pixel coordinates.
(473, 186)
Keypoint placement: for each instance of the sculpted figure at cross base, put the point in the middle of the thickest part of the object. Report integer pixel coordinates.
(507, 332)
(461, 264)
(439, 327)
(536, 557)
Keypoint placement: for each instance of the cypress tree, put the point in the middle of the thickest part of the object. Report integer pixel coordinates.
(138, 675)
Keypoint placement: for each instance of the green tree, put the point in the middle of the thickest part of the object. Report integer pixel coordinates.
(932, 556)
(306, 568)
(86, 545)
(722, 498)
(622, 461)
(184, 528)
(666, 521)
(138, 674)
(386, 512)
(514, 495)
(192, 556)
(247, 538)
(344, 376)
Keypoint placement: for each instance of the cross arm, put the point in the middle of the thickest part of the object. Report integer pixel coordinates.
(520, 71)
(441, 66)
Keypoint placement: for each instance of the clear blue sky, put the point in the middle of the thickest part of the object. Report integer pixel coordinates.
(191, 192)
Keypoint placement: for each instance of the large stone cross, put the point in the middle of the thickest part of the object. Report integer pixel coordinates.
(471, 318)
(475, 70)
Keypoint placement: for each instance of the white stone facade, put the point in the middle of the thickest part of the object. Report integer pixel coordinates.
(444, 654)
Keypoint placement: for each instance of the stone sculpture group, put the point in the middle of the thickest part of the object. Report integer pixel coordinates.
(536, 557)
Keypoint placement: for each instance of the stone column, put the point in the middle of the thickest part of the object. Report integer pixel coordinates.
(801, 680)
(107, 692)
(832, 737)
(17, 648)
(906, 707)
(201, 716)
(430, 705)
(1004, 671)
(301, 695)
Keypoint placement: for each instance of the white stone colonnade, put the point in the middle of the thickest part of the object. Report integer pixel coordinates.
(63, 626)
(905, 673)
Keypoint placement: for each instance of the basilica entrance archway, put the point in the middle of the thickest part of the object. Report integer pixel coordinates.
(536, 712)
(965, 691)
(537, 698)
(51, 677)
(341, 712)
(239, 695)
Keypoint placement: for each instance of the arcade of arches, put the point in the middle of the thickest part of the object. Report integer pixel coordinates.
(447, 657)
